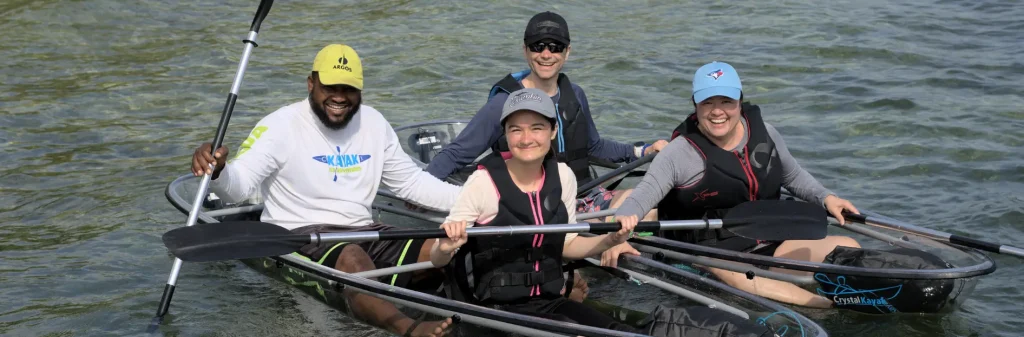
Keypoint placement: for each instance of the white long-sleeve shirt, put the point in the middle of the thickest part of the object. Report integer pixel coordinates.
(308, 174)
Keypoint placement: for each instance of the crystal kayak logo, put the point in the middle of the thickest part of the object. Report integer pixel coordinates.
(845, 295)
(342, 163)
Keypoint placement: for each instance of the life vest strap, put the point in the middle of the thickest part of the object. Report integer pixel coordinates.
(506, 255)
(569, 155)
(528, 278)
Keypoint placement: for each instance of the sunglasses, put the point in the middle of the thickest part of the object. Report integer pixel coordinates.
(554, 47)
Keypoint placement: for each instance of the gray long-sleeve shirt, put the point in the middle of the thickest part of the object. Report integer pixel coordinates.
(679, 164)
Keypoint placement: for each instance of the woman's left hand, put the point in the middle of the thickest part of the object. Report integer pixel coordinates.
(624, 232)
(610, 257)
(836, 205)
(656, 147)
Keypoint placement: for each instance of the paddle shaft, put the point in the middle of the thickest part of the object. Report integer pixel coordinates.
(396, 270)
(644, 226)
(582, 190)
(193, 215)
(644, 279)
(934, 234)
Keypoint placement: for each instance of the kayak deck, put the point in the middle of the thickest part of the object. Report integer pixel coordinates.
(963, 266)
(946, 284)
(325, 284)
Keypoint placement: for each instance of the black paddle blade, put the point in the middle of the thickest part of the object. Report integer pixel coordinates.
(777, 220)
(232, 240)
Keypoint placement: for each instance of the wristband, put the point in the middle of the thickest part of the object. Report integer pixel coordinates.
(638, 149)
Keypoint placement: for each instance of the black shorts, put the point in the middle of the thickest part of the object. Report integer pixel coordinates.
(766, 248)
(383, 253)
(742, 244)
(566, 310)
(745, 245)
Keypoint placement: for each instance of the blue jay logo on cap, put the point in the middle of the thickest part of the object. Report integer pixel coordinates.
(716, 74)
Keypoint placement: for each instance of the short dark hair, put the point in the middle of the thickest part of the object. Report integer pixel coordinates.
(695, 102)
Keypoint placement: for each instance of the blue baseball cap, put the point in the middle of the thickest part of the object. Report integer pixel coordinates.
(716, 79)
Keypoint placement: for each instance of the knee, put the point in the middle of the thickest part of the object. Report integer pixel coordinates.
(652, 215)
(732, 278)
(845, 241)
(353, 259)
(619, 197)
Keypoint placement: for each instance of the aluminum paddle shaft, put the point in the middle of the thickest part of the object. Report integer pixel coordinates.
(646, 226)
(231, 240)
(193, 215)
(901, 226)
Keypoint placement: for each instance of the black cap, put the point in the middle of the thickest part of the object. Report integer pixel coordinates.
(546, 25)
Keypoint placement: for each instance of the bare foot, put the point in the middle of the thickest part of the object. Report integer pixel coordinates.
(431, 329)
(579, 288)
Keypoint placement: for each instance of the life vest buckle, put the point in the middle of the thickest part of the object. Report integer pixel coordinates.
(534, 278)
(535, 254)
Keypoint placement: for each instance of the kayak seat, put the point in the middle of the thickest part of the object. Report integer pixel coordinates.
(425, 144)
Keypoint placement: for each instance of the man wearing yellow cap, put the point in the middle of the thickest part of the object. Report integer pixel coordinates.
(317, 164)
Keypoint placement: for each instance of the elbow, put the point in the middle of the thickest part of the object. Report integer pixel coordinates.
(572, 251)
(570, 256)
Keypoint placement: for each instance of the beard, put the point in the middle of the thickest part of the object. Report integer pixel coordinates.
(321, 113)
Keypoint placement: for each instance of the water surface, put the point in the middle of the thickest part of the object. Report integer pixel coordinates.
(910, 109)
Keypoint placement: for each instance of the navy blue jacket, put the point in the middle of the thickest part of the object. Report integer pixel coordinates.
(484, 129)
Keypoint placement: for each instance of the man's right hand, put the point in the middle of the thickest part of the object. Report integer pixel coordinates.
(202, 159)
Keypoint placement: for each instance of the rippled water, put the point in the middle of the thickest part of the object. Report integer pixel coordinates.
(910, 109)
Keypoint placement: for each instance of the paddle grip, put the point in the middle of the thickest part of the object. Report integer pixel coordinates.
(861, 218)
(607, 227)
(973, 243)
(412, 234)
(261, 13)
(222, 128)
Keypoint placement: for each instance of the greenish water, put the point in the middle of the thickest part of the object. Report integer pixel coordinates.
(910, 109)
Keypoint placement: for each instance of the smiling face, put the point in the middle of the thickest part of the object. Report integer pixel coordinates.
(543, 62)
(718, 117)
(334, 105)
(529, 135)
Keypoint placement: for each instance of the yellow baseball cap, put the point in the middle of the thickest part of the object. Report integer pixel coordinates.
(339, 64)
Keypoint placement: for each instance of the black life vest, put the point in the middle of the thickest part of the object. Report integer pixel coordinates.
(513, 269)
(574, 134)
(730, 178)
